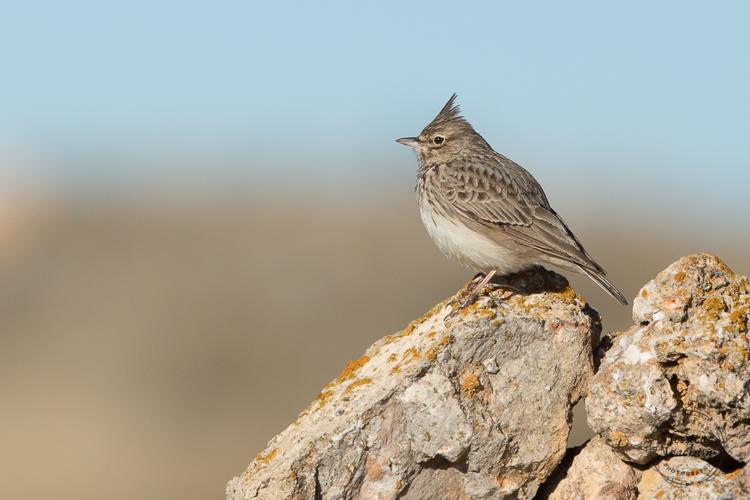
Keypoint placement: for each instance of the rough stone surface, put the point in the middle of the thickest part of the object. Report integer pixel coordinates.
(595, 471)
(692, 478)
(463, 403)
(676, 383)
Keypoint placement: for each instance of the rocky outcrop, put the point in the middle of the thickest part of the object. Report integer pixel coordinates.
(676, 382)
(475, 402)
(470, 402)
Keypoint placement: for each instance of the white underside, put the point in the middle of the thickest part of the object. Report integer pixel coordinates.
(473, 249)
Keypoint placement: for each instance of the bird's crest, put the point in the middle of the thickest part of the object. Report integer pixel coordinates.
(449, 115)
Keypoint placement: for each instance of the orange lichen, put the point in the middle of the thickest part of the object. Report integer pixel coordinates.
(357, 383)
(403, 333)
(388, 339)
(713, 306)
(414, 324)
(618, 438)
(733, 474)
(432, 353)
(738, 319)
(679, 276)
(262, 459)
(432, 334)
(410, 353)
(568, 295)
(644, 293)
(323, 398)
(446, 340)
(395, 369)
(392, 357)
(470, 309)
(470, 384)
(351, 368)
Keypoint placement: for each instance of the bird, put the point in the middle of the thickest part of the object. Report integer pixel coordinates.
(488, 212)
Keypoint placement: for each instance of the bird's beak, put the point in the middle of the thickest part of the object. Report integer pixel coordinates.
(408, 141)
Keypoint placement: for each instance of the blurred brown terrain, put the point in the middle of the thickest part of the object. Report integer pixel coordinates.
(150, 348)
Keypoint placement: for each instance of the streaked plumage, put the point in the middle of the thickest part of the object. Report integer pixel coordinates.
(487, 211)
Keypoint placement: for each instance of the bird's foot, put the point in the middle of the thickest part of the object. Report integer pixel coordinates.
(478, 284)
(473, 290)
(508, 290)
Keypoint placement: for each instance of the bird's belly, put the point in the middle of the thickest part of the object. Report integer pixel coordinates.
(471, 248)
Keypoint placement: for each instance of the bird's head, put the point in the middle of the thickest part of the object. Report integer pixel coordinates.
(445, 136)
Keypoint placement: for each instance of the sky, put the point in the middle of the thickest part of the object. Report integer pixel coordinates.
(639, 92)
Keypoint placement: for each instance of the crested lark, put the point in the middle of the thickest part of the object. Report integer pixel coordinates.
(487, 211)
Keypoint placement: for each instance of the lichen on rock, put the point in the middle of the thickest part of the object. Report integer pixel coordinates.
(469, 403)
(676, 382)
(475, 402)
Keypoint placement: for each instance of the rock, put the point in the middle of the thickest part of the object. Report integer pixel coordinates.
(676, 382)
(691, 477)
(469, 403)
(595, 471)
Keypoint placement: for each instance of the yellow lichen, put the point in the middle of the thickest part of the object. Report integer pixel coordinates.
(395, 369)
(323, 397)
(351, 368)
(262, 459)
(470, 384)
(618, 438)
(568, 295)
(410, 353)
(713, 306)
(432, 353)
(392, 357)
(414, 324)
(738, 320)
(357, 383)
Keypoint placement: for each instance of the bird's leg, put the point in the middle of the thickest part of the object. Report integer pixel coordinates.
(475, 288)
(478, 283)
(487, 278)
(473, 281)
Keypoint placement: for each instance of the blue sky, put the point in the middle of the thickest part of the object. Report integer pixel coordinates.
(639, 89)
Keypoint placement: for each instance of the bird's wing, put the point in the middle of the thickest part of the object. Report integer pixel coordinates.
(507, 197)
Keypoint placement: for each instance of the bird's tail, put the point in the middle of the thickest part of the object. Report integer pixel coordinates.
(606, 285)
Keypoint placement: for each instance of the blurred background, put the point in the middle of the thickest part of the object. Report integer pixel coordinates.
(203, 214)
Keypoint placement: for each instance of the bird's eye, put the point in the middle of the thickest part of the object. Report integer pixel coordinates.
(438, 140)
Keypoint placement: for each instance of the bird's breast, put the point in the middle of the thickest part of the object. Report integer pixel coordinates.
(472, 248)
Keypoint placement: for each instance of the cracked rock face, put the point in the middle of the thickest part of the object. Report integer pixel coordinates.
(677, 382)
(595, 471)
(469, 403)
